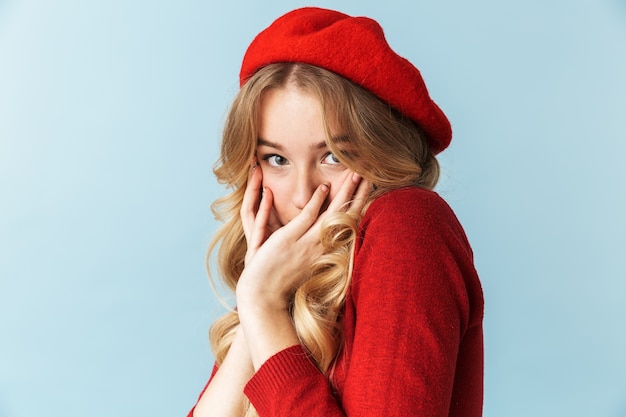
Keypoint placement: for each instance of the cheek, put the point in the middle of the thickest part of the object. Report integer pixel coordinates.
(335, 184)
(267, 182)
(279, 191)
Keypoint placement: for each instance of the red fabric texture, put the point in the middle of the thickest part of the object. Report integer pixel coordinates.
(356, 48)
(413, 325)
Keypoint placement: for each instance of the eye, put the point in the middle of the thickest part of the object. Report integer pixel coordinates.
(331, 159)
(275, 160)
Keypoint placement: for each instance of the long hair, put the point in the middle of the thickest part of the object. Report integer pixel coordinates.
(384, 147)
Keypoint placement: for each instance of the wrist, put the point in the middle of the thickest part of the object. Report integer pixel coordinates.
(260, 299)
(255, 306)
(267, 332)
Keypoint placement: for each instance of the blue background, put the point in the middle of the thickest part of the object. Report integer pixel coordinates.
(110, 116)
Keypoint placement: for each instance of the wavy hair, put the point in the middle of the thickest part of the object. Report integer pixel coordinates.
(384, 147)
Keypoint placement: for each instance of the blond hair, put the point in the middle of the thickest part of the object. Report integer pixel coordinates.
(384, 147)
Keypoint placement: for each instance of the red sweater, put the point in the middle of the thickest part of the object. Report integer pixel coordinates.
(413, 325)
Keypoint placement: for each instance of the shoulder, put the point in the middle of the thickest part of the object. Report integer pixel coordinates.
(410, 208)
(408, 198)
(412, 247)
(412, 222)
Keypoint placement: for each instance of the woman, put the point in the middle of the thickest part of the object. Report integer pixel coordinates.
(355, 286)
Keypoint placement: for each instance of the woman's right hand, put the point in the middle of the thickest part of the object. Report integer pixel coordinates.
(256, 230)
(277, 255)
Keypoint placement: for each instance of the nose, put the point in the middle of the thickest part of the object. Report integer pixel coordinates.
(306, 183)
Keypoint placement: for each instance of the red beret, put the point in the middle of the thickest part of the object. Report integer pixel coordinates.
(355, 48)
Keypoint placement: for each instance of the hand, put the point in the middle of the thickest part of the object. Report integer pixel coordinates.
(277, 255)
(258, 217)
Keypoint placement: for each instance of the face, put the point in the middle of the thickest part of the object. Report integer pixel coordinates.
(292, 151)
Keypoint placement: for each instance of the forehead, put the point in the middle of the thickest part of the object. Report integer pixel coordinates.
(289, 110)
(294, 107)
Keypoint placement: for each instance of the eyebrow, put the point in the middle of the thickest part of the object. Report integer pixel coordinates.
(320, 145)
(263, 142)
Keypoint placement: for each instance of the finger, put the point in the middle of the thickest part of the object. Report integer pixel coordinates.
(260, 227)
(345, 193)
(250, 202)
(273, 222)
(360, 196)
(310, 212)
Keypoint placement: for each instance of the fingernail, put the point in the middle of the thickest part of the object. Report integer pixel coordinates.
(325, 188)
(356, 177)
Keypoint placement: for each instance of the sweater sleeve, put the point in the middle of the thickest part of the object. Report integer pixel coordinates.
(289, 384)
(412, 300)
(406, 313)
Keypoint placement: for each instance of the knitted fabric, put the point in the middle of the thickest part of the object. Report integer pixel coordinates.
(412, 322)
